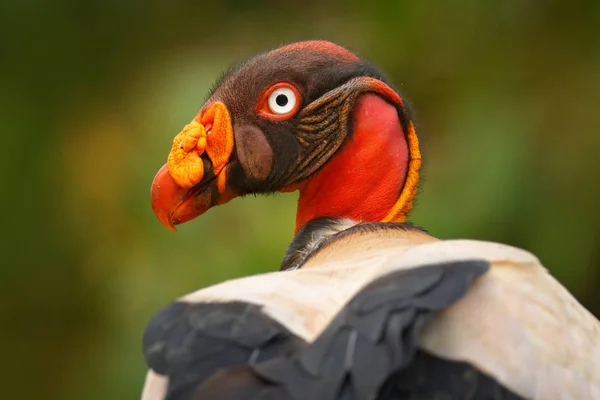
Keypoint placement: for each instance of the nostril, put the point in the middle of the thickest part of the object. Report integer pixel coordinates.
(208, 128)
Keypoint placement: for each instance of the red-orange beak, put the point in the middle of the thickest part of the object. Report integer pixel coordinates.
(195, 176)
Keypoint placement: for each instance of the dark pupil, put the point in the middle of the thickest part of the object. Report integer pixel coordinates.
(281, 100)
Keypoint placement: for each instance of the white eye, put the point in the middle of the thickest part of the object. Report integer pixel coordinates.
(282, 100)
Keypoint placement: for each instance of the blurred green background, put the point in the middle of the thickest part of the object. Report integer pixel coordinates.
(506, 96)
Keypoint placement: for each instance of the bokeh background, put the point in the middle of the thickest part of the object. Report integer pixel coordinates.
(506, 95)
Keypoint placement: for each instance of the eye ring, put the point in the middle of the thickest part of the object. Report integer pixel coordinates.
(279, 102)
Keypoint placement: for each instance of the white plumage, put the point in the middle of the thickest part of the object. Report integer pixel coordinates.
(516, 323)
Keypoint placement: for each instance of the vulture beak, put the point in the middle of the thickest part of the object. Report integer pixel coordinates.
(195, 176)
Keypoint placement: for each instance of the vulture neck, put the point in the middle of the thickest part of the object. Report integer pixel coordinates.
(364, 179)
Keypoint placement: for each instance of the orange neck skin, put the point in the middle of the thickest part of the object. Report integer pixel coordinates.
(364, 179)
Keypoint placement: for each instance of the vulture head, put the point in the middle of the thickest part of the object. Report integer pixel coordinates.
(309, 116)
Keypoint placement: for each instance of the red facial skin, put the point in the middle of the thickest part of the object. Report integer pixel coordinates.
(364, 179)
(321, 46)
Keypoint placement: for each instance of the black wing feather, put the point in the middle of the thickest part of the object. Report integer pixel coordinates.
(190, 342)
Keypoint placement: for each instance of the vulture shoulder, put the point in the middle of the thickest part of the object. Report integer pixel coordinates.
(381, 311)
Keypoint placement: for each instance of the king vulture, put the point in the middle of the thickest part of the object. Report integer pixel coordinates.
(366, 306)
